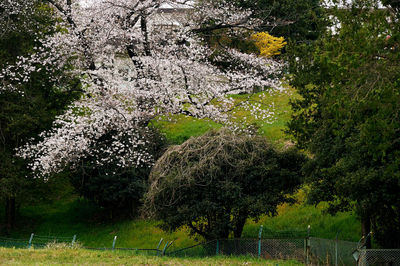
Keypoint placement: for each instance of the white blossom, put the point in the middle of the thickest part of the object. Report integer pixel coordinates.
(137, 62)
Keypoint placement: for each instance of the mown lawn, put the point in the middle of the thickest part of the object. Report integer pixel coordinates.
(87, 257)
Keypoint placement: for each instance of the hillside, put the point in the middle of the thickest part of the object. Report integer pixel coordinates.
(81, 218)
(185, 127)
(70, 215)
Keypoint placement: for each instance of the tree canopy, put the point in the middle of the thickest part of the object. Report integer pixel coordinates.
(348, 114)
(119, 190)
(138, 63)
(214, 182)
(23, 116)
(299, 21)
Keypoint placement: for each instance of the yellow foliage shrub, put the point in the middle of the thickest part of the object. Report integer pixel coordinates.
(267, 44)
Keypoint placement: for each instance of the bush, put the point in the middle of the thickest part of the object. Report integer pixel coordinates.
(214, 182)
(115, 188)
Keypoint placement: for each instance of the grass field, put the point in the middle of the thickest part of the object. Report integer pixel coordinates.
(297, 217)
(77, 216)
(87, 257)
(184, 127)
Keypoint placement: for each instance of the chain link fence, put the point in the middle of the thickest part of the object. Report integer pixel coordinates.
(283, 248)
(13, 242)
(38, 241)
(331, 252)
(205, 249)
(379, 257)
(134, 251)
(35, 241)
(264, 248)
(309, 250)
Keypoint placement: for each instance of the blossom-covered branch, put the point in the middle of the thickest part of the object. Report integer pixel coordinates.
(138, 61)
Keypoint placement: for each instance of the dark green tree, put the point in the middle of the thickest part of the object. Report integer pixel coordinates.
(214, 182)
(347, 117)
(119, 190)
(26, 113)
(298, 21)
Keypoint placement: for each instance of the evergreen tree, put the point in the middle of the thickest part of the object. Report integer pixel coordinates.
(25, 114)
(347, 117)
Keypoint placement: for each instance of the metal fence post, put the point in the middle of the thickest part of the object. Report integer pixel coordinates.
(114, 241)
(217, 249)
(259, 241)
(158, 246)
(30, 240)
(336, 248)
(73, 240)
(165, 247)
(308, 244)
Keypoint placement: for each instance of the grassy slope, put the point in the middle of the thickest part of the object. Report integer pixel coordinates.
(67, 218)
(74, 216)
(298, 217)
(185, 127)
(85, 257)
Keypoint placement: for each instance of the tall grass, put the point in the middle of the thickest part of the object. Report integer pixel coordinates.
(87, 257)
(297, 218)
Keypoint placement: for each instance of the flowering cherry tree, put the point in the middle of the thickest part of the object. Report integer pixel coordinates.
(138, 60)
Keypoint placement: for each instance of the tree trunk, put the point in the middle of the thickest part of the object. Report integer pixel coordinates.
(10, 214)
(366, 229)
(240, 221)
(143, 26)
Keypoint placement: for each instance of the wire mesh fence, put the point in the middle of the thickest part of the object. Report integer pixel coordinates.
(35, 241)
(263, 248)
(38, 241)
(133, 251)
(13, 242)
(310, 250)
(379, 257)
(283, 249)
(331, 252)
(204, 249)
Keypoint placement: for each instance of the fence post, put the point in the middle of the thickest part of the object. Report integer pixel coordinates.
(217, 249)
(165, 247)
(158, 246)
(259, 241)
(308, 244)
(114, 241)
(336, 248)
(73, 240)
(30, 240)
(168, 245)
